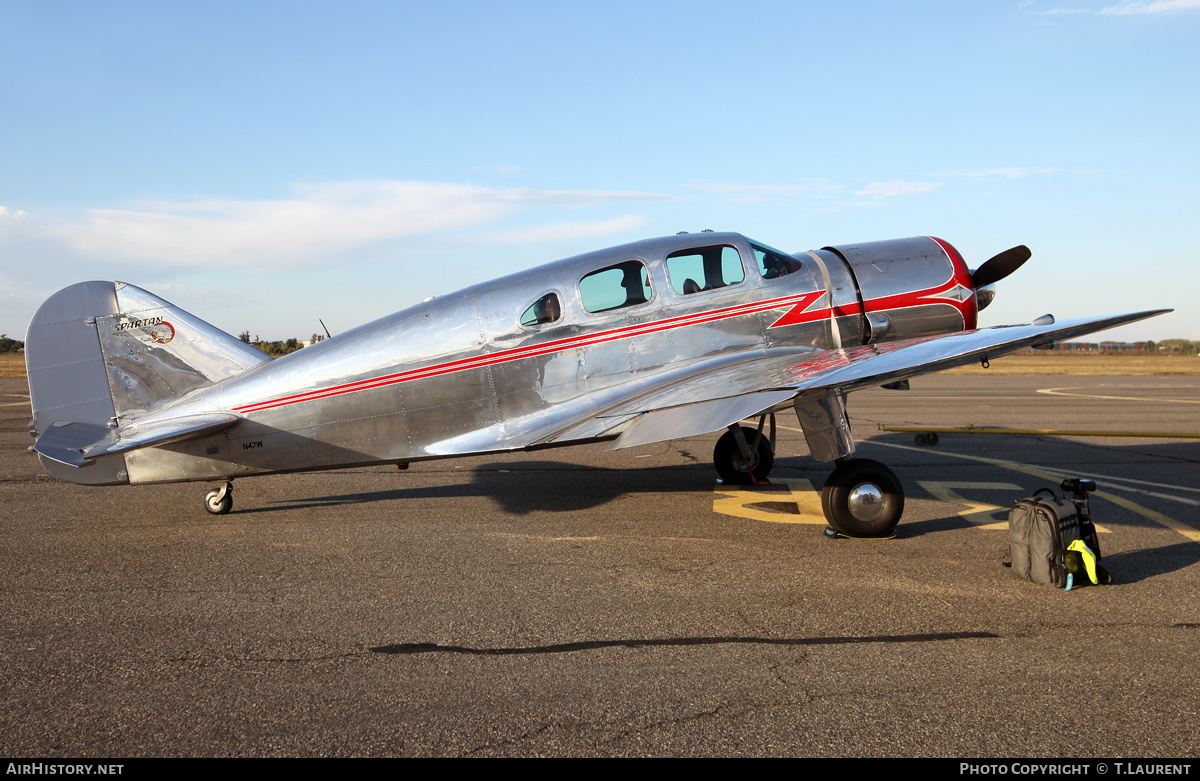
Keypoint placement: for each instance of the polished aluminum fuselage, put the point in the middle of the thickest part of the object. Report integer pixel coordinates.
(460, 375)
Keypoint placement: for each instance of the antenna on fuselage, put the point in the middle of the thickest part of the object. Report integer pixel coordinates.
(327, 334)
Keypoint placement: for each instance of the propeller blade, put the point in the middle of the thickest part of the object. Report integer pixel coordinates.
(997, 268)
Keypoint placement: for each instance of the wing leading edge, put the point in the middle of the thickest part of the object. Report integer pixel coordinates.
(730, 393)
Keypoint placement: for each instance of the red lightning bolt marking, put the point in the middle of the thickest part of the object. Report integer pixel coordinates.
(797, 315)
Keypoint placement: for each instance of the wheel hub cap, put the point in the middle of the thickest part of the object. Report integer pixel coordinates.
(865, 501)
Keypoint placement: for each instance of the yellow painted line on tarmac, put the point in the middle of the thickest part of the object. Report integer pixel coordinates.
(1153, 515)
(801, 504)
(23, 403)
(1157, 517)
(1188, 532)
(1060, 392)
(978, 513)
(1037, 432)
(1115, 483)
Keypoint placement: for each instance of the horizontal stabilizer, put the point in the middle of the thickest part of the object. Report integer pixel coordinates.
(76, 444)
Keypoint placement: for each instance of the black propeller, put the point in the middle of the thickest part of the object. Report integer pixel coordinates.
(997, 268)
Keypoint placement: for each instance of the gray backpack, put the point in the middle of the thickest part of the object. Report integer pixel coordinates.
(1036, 527)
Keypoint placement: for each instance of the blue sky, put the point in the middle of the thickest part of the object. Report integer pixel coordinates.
(266, 164)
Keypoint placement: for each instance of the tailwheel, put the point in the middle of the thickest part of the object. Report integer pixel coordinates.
(862, 498)
(733, 466)
(220, 500)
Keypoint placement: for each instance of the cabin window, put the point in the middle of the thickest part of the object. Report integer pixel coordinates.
(615, 287)
(546, 309)
(704, 268)
(774, 263)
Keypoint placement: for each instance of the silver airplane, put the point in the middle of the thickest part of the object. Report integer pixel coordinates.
(657, 340)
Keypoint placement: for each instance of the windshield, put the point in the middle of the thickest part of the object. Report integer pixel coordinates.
(773, 263)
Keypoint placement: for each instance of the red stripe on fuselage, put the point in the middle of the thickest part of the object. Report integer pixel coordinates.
(799, 301)
(796, 315)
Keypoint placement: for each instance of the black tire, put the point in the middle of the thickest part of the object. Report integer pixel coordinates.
(921, 439)
(218, 506)
(731, 465)
(932, 438)
(863, 498)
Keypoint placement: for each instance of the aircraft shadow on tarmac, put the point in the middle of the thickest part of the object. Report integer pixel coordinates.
(521, 487)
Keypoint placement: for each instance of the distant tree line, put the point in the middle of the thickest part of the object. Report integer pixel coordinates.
(1172, 346)
(1183, 346)
(10, 345)
(278, 348)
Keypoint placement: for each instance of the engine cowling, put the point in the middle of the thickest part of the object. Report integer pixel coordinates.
(910, 287)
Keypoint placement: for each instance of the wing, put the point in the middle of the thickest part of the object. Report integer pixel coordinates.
(711, 399)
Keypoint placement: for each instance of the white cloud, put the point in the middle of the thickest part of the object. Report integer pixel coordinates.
(497, 168)
(321, 222)
(1127, 7)
(1152, 7)
(896, 188)
(567, 230)
(758, 193)
(752, 193)
(1012, 172)
(576, 198)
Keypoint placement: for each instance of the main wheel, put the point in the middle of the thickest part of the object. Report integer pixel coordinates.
(217, 504)
(731, 464)
(862, 498)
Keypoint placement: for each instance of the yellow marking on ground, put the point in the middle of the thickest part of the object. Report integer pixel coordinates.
(1059, 392)
(1037, 432)
(735, 500)
(1164, 520)
(1144, 492)
(23, 403)
(981, 514)
(1172, 524)
(1154, 515)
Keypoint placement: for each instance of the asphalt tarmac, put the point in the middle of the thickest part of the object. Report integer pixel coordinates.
(579, 602)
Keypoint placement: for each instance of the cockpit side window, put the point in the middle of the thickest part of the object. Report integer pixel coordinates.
(615, 287)
(547, 309)
(704, 268)
(774, 263)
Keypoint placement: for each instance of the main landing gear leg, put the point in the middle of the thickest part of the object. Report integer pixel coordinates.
(862, 498)
(743, 456)
(219, 501)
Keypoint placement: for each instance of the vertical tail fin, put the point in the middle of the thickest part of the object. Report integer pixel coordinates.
(102, 353)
